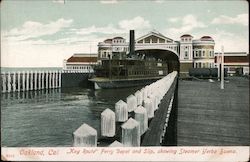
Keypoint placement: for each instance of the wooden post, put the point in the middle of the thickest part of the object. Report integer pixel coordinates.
(42, 80)
(39, 79)
(148, 104)
(138, 95)
(56, 79)
(23, 80)
(53, 79)
(60, 79)
(132, 103)
(47, 80)
(4, 82)
(31, 80)
(154, 101)
(85, 136)
(50, 79)
(35, 80)
(27, 81)
(141, 116)
(121, 111)
(9, 82)
(18, 81)
(108, 123)
(131, 133)
(116, 144)
(14, 82)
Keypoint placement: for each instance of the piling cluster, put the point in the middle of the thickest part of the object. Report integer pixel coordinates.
(30, 80)
(143, 104)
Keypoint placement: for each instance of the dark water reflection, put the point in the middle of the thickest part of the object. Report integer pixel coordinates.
(49, 117)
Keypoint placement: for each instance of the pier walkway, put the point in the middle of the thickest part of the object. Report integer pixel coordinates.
(209, 116)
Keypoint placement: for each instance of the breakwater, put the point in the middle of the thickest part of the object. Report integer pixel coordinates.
(132, 117)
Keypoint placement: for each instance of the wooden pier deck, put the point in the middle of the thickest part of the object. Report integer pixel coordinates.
(209, 116)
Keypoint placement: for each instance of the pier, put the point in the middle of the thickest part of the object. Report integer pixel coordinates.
(152, 117)
(210, 116)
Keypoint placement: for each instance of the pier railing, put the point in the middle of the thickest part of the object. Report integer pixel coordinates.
(147, 118)
(30, 80)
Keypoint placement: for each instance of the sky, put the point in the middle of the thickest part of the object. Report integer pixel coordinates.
(42, 33)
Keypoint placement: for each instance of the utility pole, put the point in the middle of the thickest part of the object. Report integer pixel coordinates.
(222, 68)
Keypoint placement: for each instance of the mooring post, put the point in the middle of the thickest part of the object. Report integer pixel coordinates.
(23, 80)
(85, 136)
(56, 79)
(138, 95)
(116, 144)
(132, 103)
(121, 111)
(108, 123)
(148, 104)
(131, 133)
(141, 116)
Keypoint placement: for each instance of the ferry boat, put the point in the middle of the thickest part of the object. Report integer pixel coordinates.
(116, 73)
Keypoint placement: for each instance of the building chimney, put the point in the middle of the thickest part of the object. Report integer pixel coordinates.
(131, 42)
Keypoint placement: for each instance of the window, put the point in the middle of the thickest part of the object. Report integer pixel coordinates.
(196, 53)
(186, 55)
(203, 53)
(199, 53)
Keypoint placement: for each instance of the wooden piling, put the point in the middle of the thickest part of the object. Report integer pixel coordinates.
(85, 136)
(148, 104)
(116, 144)
(121, 111)
(132, 103)
(141, 116)
(31, 80)
(131, 133)
(138, 95)
(27, 81)
(18, 81)
(4, 82)
(9, 82)
(108, 123)
(35, 80)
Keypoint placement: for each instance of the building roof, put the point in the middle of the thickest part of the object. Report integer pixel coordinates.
(186, 35)
(82, 59)
(234, 59)
(206, 38)
(118, 38)
(108, 40)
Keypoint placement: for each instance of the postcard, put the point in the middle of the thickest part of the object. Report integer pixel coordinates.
(123, 80)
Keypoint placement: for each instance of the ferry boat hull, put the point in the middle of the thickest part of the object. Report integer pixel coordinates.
(122, 83)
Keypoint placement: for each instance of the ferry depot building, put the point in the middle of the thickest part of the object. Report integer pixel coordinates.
(191, 53)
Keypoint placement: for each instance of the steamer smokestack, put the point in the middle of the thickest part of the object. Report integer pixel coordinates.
(131, 42)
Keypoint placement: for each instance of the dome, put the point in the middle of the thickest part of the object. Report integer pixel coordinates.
(118, 38)
(205, 38)
(186, 35)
